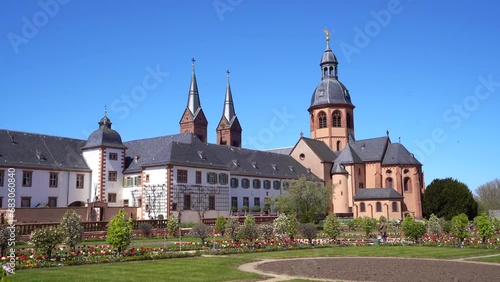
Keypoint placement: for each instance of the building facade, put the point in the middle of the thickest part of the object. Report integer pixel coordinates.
(182, 174)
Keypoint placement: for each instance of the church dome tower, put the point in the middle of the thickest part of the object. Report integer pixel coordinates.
(331, 111)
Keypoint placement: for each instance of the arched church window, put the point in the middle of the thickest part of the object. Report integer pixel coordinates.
(322, 120)
(407, 184)
(394, 206)
(362, 207)
(337, 119)
(388, 182)
(325, 71)
(348, 120)
(331, 70)
(378, 207)
(338, 145)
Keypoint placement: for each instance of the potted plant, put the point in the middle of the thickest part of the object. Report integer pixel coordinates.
(244, 209)
(267, 208)
(234, 209)
(256, 209)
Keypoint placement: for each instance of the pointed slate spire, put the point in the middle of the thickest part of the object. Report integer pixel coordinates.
(228, 111)
(193, 103)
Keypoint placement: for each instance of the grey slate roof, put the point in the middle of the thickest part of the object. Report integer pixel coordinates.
(22, 149)
(187, 150)
(347, 156)
(321, 149)
(376, 193)
(330, 91)
(397, 154)
(370, 150)
(193, 103)
(228, 110)
(283, 151)
(104, 136)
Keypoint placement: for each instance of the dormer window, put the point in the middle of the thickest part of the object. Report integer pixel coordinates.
(202, 155)
(291, 168)
(236, 162)
(308, 170)
(254, 164)
(275, 166)
(40, 155)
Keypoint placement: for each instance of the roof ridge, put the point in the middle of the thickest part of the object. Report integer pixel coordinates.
(41, 134)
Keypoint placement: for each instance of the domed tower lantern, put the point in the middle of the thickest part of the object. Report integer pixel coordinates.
(331, 111)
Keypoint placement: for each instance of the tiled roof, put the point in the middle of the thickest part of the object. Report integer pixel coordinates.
(376, 193)
(22, 149)
(321, 149)
(397, 154)
(371, 150)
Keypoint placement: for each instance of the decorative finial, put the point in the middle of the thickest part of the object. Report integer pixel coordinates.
(399, 139)
(228, 72)
(105, 110)
(327, 33)
(193, 60)
(387, 132)
(301, 134)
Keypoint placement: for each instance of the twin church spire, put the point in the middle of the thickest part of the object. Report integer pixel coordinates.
(193, 120)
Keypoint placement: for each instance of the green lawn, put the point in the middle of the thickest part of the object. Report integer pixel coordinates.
(495, 259)
(224, 268)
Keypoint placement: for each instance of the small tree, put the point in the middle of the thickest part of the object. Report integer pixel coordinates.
(201, 230)
(309, 231)
(484, 227)
(280, 226)
(244, 209)
(146, 228)
(460, 227)
(220, 224)
(172, 224)
(434, 225)
(120, 231)
(412, 228)
(4, 238)
(46, 239)
(332, 226)
(266, 231)
(71, 229)
(233, 228)
(249, 230)
(368, 224)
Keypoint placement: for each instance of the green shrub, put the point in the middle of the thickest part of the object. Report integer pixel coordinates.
(120, 231)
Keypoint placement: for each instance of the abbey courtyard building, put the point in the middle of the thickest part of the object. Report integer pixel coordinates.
(182, 174)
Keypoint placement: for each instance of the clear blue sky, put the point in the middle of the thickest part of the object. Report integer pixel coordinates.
(416, 68)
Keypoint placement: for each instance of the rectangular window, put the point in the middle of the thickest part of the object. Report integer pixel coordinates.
(111, 197)
(256, 201)
(25, 202)
(125, 203)
(79, 181)
(246, 201)
(147, 178)
(1, 177)
(130, 181)
(245, 183)
(53, 180)
(27, 177)
(223, 178)
(256, 184)
(234, 202)
(113, 156)
(182, 176)
(234, 182)
(187, 201)
(212, 178)
(1, 202)
(276, 185)
(52, 202)
(139, 202)
(112, 175)
(198, 177)
(174, 206)
(267, 184)
(211, 202)
(139, 181)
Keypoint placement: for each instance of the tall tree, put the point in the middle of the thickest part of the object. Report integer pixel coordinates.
(488, 195)
(308, 199)
(448, 197)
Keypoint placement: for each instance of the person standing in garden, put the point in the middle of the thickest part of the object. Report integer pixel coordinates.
(383, 230)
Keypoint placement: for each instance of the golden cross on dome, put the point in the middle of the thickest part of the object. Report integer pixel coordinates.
(327, 33)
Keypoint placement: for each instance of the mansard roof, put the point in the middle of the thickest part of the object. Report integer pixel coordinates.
(397, 154)
(187, 150)
(377, 194)
(22, 149)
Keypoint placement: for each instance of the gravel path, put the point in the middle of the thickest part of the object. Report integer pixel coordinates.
(375, 269)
